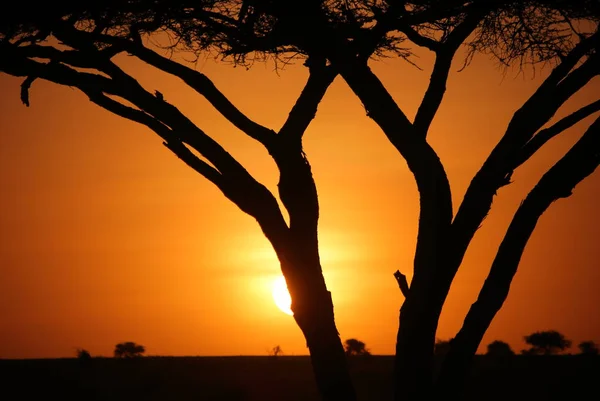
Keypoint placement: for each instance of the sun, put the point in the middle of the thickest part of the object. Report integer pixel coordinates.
(281, 296)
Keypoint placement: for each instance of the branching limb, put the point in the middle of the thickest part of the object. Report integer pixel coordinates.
(205, 87)
(167, 121)
(578, 163)
(402, 283)
(497, 170)
(172, 142)
(543, 136)
(297, 189)
(444, 54)
(305, 108)
(196, 80)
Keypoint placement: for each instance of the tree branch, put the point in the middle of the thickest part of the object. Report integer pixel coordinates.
(171, 140)
(445, 52)
(498, 168)
(235, 181)
(418, 39)
(577, 164)
(194, 79)
(305, 108)
(402, 283)
(543, 136)
(205, 87)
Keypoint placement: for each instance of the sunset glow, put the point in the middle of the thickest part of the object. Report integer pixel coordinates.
(281, 296)
(108, 237)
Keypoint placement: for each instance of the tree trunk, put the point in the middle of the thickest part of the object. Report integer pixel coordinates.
(326, 351)
(413, 364)
(301, 266)
(313, 311)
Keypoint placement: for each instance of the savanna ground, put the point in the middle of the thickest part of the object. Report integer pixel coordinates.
(286, 378)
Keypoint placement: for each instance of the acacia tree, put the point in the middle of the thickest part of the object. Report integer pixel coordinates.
(128, 350)
(356, 347)
(547, 342)
(76, 45)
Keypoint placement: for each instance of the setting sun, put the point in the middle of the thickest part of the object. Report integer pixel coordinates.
(281, 296)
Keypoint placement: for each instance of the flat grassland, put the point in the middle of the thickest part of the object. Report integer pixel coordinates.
(285, 378)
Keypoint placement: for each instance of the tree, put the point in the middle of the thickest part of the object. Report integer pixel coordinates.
(75, 46)
(499, 349)
(129, 350)
(354, 347)
(588, 348)
(547, 342)
(276, 351)
(442, 347)
(83, 355)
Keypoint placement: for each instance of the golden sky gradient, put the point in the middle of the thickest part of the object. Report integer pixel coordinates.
(108, 237)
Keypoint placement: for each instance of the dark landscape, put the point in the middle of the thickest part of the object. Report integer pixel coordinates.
(262, 378)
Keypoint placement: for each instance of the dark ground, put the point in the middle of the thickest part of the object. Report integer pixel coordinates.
(282, 378)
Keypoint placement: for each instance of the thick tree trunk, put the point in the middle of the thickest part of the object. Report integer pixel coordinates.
(326, 351)
(300, 263)
(413, 365)
(313, 311)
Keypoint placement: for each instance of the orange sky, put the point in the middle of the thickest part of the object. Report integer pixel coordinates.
(107, 237)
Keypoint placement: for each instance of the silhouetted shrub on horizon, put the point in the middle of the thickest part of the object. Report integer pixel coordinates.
(548, 342)
(588, 348)
(499, 349)
(129, 349)
(354, 347)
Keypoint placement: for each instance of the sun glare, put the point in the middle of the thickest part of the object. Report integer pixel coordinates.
(281, 296)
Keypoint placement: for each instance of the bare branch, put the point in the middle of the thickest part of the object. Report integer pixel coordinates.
(445, 52)
(577, 164)
(498, 168)
(171, 140)
(543, 136)
(205, 87)
(237, 184)
(305, 108)
(402, 283)
(420, 40)
(195, 79)
(25, 89)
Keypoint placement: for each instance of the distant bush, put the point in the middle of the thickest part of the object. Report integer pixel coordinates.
(83, 355)
(354, 347)
(276, 351)
(499, 349)
(546, 343)
(129, 350)
(588, 348)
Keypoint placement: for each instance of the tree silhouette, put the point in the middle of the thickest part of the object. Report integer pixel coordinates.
(276, 351)
(129, 350)
(546, 342)
(75, 45)
(499, 349)
(588, 348)
(83, 354)
(442, 347)
(354, 347)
